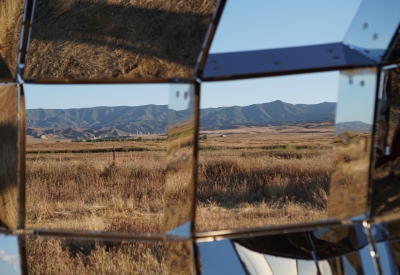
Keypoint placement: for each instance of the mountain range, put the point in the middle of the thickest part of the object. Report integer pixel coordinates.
(125, 120)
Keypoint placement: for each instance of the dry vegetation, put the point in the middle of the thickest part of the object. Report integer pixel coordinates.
(242, 182)
(117, 38)
(10, 22)
(8, 157)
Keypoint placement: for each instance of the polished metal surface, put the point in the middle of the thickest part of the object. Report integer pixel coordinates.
(329, 250)
(373, 28)
(385, 198)
(281, 61)
(179, 181)
(348, 191)
(9, 156)
(357, 229)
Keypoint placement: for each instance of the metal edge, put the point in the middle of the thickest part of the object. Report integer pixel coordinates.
(392, 44)
(22, 164)
(372, 153)
(104, 235)
(197, 93)
(197, 87)
(209, 38)
(22, 254)
(289, 72)
(25, 31)
(109, 81)
(282, 229)
(372, 247)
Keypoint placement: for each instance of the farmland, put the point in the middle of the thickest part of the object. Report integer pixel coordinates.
(247, 177)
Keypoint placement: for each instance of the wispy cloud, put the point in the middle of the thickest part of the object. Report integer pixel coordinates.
(10, 259)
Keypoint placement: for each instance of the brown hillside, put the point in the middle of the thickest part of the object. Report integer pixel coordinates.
(117, 38)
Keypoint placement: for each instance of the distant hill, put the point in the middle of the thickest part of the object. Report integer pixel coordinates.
(353, 127)
(266, 113)
(125, 120)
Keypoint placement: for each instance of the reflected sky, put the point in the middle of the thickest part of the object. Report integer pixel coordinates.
(82, 96)
(356, 96)
(278, 24)
(9, 255)
(295, 89)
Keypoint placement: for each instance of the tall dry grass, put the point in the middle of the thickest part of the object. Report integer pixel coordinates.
(8, 156)
(117, 38)
(96, 195)
(10, 21)
(260, 188)
(65, 256)
(236, 189)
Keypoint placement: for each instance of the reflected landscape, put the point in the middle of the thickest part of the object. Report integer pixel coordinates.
(268, 163)
(101, 167)
(352, 144)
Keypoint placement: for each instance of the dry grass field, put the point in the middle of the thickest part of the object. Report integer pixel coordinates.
(117, 38)
(252, 177)
(8, 157)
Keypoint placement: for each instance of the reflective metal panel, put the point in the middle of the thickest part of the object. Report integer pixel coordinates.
(124, 39)
(352, 146)
(11, 13)
(385, 199)
(283, 61)
(96, 157)
(47, 255)
(180, 257)
(327, 251)
(179, 185)
(373, 28)
(265, 151)
(10, 261)
(9, 156)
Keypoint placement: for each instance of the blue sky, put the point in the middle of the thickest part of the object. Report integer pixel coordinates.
(245, 25)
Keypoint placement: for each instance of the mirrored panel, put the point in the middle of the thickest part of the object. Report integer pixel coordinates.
(393, 55)
(11, 13)
(9, 156)
(180, 257)
(96, 156)
(246, 27)
(328, 250)
(348, 192)
(373, 28)
(10, 261)
(48, 255)
(117, 39)
(179, 188)
(265, 151)
(385, 177)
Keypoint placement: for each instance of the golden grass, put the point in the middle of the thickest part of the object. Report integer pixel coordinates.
(10, 22)
(248, 186)
(117, 38)
(64, 256)
(8, 157)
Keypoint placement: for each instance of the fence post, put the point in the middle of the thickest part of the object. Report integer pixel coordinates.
(113, 150)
